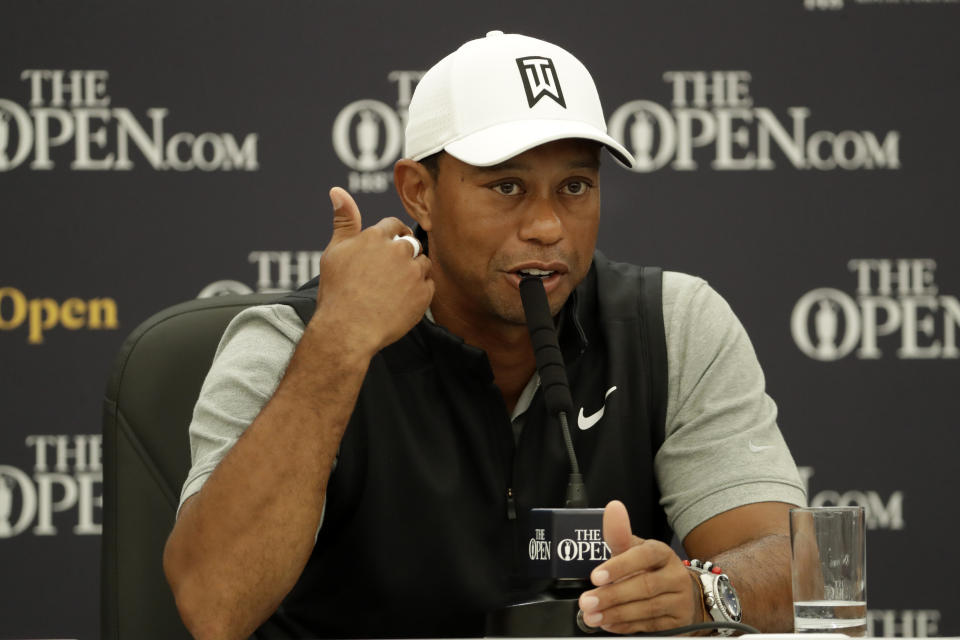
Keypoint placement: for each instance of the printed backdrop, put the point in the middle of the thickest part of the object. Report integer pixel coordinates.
(799, 154)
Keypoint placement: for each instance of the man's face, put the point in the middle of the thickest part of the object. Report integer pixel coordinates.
(535, 213)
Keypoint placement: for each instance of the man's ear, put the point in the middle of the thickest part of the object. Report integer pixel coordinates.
(414, 185)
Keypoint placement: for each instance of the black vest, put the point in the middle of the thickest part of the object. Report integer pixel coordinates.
(418, 538)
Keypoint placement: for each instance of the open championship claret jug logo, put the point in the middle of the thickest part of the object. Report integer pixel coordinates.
(69, 118)
(368, 135)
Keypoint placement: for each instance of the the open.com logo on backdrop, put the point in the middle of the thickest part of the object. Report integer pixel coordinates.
(62, 491)
(712, 116)
(896, 303)
(71, 110)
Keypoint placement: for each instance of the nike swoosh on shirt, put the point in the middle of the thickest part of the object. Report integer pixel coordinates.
(585, 422)
(757, 448)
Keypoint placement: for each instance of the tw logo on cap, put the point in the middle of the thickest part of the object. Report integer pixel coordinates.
(540, 79)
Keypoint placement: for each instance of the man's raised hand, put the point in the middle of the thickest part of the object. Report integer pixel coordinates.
(370, 284)
(643, 587)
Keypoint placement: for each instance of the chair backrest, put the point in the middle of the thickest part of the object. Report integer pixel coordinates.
(146, 456)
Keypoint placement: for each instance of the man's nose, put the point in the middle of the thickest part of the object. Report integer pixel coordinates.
(541, 223)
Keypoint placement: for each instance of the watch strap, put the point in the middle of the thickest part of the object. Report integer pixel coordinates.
(704, 611)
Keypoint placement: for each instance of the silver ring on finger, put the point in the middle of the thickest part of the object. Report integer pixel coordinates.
(413, 243)
(583, 626)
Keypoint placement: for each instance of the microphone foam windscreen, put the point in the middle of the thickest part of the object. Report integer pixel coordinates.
(543, 335)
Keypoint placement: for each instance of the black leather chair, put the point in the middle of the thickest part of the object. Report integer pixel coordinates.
(146, 455)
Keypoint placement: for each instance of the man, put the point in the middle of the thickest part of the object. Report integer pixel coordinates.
(362, 463)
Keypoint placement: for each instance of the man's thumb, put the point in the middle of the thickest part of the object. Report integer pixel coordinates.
(616, 528)
(346, 215)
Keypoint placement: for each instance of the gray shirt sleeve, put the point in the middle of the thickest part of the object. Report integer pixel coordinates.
(249, 363)
(723, 448)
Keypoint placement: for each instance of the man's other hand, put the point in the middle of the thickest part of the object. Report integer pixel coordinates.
(643, 587)
(370, 284)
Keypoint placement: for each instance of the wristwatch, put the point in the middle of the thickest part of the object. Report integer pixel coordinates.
(719, 597)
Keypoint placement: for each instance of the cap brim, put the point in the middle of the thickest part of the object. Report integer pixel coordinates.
(501, 142)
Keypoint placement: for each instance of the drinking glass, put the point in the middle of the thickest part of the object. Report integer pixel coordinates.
(829, 570)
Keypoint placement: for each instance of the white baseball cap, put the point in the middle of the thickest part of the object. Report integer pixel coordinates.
(498, 96)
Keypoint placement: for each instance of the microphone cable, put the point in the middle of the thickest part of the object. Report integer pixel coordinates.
(675, 631)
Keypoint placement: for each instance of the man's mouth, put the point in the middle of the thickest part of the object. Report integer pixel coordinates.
(550, 277)
(537, 273)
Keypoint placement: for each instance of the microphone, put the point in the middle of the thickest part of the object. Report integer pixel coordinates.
(546, 349)
(564, 544)
(553, 376)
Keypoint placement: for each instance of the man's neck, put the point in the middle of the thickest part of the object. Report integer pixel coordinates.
(507, 347)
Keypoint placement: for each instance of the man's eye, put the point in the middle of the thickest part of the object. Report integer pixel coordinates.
(576, 187)
(507, 188)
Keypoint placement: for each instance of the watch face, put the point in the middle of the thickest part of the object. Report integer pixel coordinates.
(729, 598)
